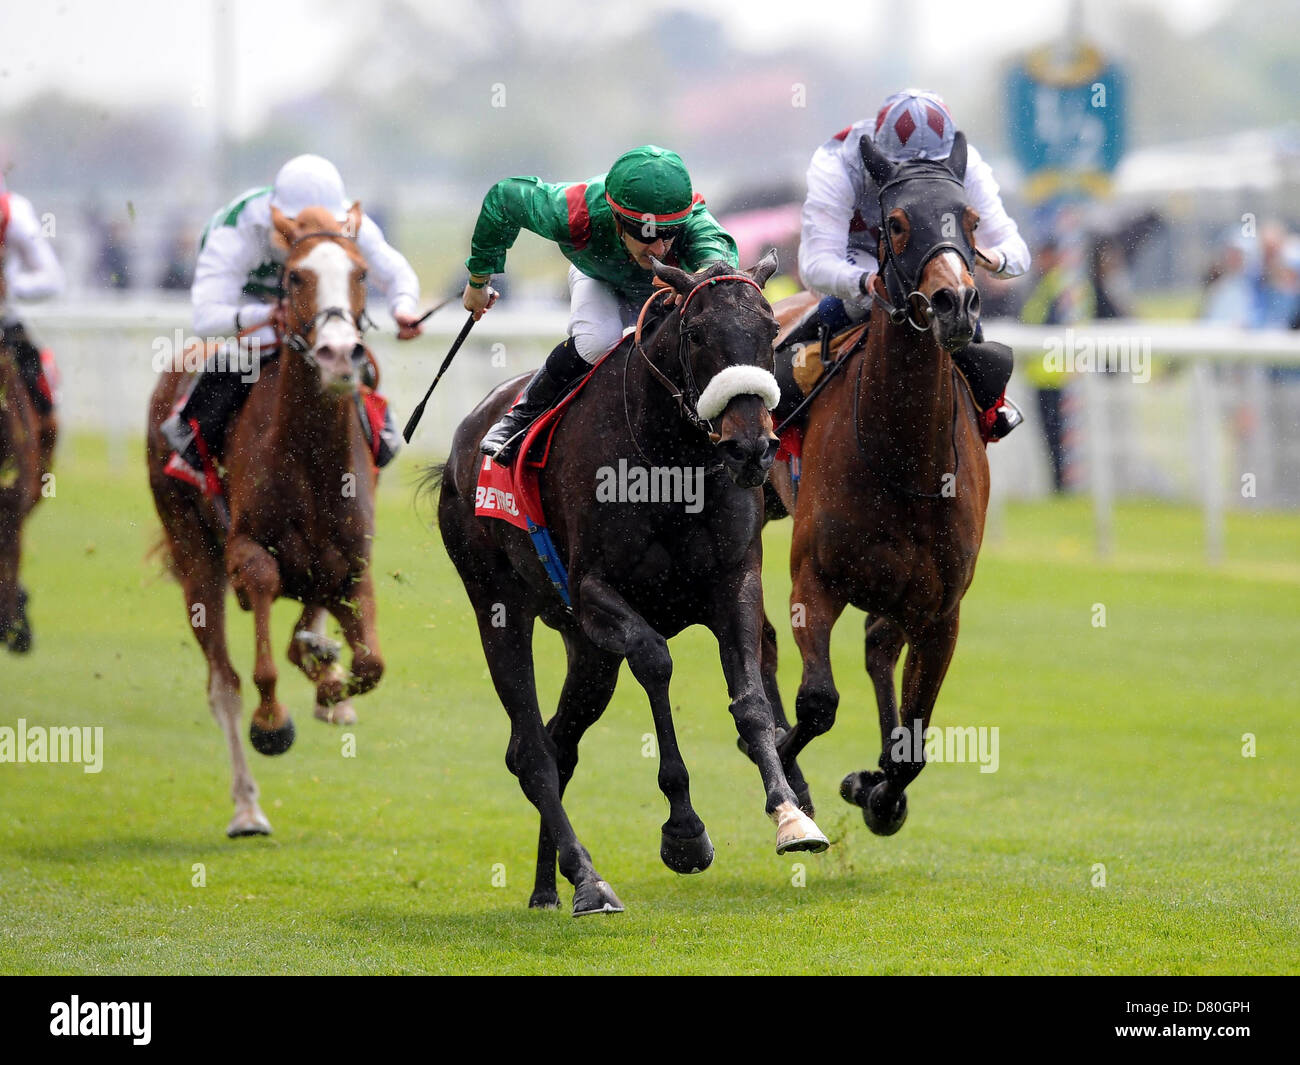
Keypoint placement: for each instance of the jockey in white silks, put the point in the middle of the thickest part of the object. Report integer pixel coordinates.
(840, 230)
(237, 287)
(31, 272)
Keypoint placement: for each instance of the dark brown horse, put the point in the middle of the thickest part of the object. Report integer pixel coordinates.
(300, 483)
(638, 572)
(20, 482)
(895, 481)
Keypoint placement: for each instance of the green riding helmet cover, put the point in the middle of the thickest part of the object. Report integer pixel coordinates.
(648, 187)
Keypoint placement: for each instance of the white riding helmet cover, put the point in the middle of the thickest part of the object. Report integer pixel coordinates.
(309, 181)
(914, 124)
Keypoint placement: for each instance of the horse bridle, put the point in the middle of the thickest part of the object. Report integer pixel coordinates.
(687, 396)
(297, 341)
(905, 296)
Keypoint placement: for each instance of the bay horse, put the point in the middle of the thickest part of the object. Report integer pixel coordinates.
(300, 482)
(638, 572)
(895, 481)
(20, 482)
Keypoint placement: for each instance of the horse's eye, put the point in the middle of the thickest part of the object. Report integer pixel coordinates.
(896, 227)
(695, 336)
(295, 278)
(361, 276)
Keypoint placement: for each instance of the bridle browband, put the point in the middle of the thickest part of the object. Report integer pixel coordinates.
(686, 396)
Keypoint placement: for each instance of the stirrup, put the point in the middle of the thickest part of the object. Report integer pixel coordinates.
(1007, 418)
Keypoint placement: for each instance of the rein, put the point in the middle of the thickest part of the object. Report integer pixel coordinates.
(687, 397)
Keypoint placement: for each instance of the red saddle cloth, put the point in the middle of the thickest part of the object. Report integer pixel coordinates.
(513, 494)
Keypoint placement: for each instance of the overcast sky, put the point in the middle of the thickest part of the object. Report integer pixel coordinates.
(146, 51)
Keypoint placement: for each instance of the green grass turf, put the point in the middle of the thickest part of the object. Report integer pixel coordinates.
(1119, 746)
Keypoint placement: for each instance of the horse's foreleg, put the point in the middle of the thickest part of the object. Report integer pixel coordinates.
(356, 615)
(255, 577)
(611, 624)
(318, 657)
(814, 611)
(588, 687)
(928, 655)
(506, 630)
(884, 643)
(769, 664)
(738, 627)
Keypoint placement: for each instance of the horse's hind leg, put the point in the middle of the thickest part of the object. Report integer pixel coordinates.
(318, 657)
(928, 656)
(356, 615)
(884, 643)
(204, 584)
(588, 687)
(506, 630)
(256, 580)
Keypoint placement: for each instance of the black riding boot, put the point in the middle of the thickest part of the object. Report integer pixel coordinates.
(563, 366)
(28, 357)
(216, 396)
(987, 366)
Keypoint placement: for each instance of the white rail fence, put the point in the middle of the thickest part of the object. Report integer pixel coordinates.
(1193, 413)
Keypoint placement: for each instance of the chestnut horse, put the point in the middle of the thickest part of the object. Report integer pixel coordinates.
(20, 481)
(300, 483)
(638, 572)
(895, 482)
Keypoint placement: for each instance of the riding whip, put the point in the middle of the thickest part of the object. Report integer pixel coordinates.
(418, 413)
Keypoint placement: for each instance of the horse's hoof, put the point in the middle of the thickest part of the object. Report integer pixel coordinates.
(271, 740)
(315, 648)
(248, 823)
(686, 855)
(544, 900)
(19, 640)
(884, 815)
(855, 787)
(595, 896)
(796, 831)
(338, 714)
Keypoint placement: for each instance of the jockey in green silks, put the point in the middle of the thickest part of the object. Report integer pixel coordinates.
(609, 228)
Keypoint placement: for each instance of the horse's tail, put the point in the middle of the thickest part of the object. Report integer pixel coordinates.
(429, 483)
(160, 552)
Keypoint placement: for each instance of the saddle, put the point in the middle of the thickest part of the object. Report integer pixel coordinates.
(514, 495)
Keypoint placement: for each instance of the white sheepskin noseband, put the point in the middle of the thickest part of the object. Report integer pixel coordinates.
(735, 381)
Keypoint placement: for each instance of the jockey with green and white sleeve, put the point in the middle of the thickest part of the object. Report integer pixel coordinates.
(609, 228)
(237, 287)
(840, 229)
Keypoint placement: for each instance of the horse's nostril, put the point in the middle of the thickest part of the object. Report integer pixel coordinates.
(972, 303)
(944, 303)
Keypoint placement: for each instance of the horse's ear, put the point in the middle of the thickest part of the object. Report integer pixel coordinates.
(957, 157)
(764, 268)
(877, 165)
(285, 228)
(672, 276)
(352, 225)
